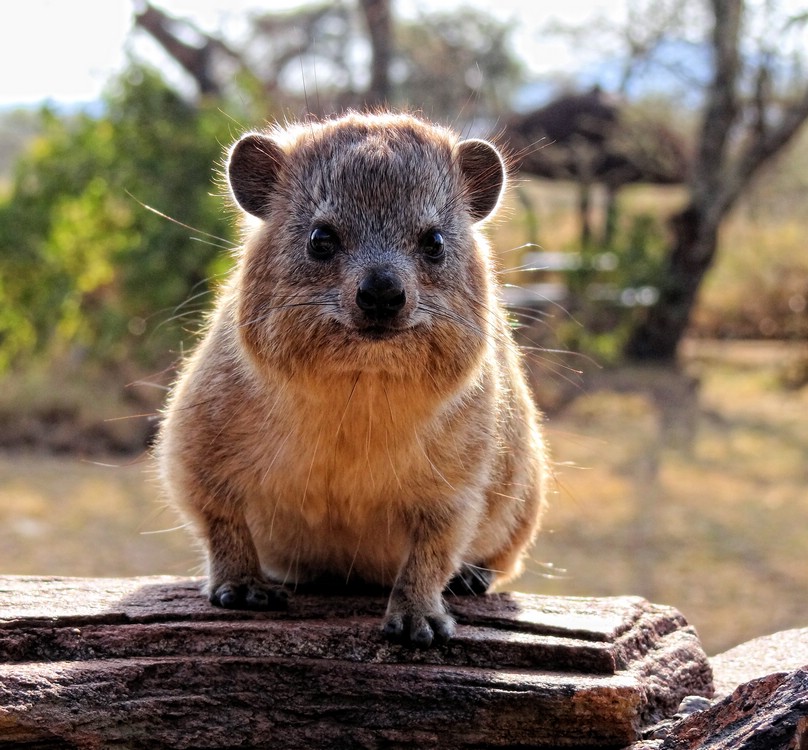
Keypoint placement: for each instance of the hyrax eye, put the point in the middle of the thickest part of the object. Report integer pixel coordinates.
(432, 245)
(323, 243)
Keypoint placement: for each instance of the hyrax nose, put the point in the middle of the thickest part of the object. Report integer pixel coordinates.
(381, 294)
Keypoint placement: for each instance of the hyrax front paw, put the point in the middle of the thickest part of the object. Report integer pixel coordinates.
(249, 593)
(418, 628)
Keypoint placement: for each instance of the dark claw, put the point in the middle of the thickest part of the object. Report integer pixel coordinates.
(421, 637)
(472, 580)
(444, 629)
(254, 595)
(266, 598)
(417, 630)
(225, 596)
(393, 627)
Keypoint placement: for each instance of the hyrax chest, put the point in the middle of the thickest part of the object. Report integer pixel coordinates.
(342, 456)
(334, 486)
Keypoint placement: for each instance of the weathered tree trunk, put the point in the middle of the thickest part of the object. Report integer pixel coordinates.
(657, 336)
(378, 18)
(149, 663)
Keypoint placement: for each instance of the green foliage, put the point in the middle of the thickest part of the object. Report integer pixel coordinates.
(83, 265)
(612, 285)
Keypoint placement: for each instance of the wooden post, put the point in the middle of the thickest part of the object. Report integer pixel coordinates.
(148, 663)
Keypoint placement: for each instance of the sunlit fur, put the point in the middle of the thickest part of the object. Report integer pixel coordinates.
(297, 443)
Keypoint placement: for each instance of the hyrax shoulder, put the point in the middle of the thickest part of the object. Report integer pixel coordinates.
(357, 408)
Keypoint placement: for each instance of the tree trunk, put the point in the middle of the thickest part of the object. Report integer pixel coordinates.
(712, 192)
(584, 211)
(657, 336)
(378, 19)
(610, 220)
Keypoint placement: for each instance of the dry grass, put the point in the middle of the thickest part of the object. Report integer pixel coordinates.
(699, 503)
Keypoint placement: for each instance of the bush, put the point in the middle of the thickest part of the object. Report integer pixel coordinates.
(84, 266)
(611, 286)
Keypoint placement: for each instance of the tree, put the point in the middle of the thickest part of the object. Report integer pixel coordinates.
(594, 138)
(328, 57)
(280, 47)
(379, 21)
(748, 79)
(199, 58)
(456, 66)
(755, 104)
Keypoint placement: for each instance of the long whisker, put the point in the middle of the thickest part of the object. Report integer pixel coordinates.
(227, 243)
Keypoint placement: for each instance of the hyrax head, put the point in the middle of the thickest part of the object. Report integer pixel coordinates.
(366, 256)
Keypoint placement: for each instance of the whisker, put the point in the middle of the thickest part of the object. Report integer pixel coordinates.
(157, 212)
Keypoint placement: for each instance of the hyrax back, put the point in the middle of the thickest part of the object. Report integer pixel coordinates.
(357, 408)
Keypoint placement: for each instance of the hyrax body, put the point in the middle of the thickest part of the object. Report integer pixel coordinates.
(357, 408)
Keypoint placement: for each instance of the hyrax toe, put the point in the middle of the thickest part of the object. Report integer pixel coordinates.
(253, 593)
(419, 630)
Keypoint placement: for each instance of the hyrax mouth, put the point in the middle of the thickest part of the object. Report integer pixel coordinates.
(379, 332)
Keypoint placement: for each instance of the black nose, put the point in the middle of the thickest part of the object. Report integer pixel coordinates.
(381, 294)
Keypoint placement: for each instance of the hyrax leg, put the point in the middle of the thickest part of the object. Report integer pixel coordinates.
(235, 580)
(416, 611)
(471, 580)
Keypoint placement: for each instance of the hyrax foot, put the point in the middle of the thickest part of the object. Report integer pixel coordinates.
(418, 629)
(250, 593)
(471, 580)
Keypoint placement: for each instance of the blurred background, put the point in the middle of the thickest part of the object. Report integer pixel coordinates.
(652, 248)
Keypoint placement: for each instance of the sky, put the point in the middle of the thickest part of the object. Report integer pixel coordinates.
(64, 52)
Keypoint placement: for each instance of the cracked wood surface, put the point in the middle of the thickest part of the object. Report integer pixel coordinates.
(149, 663)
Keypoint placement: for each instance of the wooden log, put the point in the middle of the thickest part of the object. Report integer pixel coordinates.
(148, 663)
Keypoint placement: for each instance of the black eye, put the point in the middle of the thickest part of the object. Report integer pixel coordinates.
(432, 245)
(323, 243)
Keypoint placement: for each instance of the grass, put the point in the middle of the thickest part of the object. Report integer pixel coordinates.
(698, 503)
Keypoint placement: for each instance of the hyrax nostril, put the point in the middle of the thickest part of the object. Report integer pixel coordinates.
(381, 294)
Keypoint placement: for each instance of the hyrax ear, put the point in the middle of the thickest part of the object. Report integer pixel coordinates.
(252, 171)
(484, 172)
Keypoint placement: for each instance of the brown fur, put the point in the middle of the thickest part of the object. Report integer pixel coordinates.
(303, 439)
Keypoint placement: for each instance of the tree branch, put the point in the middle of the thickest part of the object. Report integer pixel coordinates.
(196, 60)
(762, 146)
(722, 106)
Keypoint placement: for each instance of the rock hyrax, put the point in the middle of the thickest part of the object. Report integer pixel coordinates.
(357, 407)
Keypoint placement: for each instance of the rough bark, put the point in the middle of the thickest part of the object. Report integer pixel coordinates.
(137, 663)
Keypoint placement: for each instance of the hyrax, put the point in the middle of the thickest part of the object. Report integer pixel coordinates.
(357, 408)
